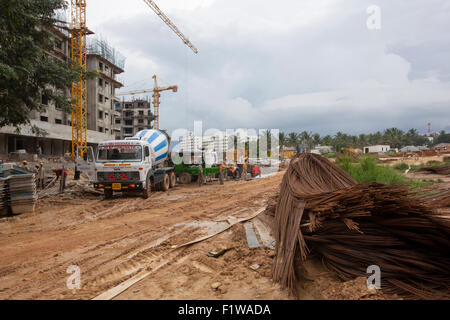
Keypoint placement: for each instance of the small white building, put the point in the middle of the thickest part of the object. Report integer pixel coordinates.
(323, 149)
(410, 149)
(413, 148)
(377, 149)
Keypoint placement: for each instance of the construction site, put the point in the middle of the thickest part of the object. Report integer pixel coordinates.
(108, 197)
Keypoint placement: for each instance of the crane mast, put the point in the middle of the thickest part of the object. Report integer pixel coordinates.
(156, 101)
(79, 90)
(167, 21)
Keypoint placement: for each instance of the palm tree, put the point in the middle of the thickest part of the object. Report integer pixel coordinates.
(327, 141)
(340, 141)
(376, 138)
(293, 140)
(393, 137)
(363, 140)
(282, 140)
(306, 139)
(316, 139)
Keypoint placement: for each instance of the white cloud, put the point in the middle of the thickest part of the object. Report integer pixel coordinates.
(290, 64)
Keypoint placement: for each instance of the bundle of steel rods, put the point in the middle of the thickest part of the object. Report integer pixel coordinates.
(435, 196)
(353, 226)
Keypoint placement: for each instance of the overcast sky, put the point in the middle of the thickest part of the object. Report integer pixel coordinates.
(293, 64)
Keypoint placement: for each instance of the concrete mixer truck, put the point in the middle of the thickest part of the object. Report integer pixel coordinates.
(140, 163)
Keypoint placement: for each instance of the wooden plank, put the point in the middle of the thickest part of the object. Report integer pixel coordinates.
(264, 233)
(114, 292)
(252, 240)
(222, 230)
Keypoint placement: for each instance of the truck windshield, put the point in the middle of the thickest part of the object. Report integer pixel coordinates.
(119, 153)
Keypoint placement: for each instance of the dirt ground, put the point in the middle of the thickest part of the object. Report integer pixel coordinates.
(414, 160)
(111, 241)
(121, 239)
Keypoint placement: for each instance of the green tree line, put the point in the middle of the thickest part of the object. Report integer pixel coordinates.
(394, 137)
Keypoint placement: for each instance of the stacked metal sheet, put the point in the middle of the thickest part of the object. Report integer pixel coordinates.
(22, 193)
(2, 194)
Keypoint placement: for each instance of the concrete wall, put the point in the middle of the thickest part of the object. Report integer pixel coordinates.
(57, 141)
(3, 144)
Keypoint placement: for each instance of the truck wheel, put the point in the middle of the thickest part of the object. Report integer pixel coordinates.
(148, 189)
(165, 184)
(108, 193)
(173, 179)
(185, 178)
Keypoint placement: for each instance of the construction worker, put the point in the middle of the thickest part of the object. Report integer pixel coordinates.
(256, 172)
(222, 169)
(41, 175)
(244, 170)
(36, 176)
(24, 165)
(232, 172)
(200, 175)
(39, 150)
(59, 172)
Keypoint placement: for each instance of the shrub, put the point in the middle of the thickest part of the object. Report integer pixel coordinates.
(368, 171)
(330, 155)
(401, 166)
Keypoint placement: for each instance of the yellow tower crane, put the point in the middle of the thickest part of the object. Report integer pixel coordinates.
(79, 32)
(79, 90)
(167, 21)
(156, 95)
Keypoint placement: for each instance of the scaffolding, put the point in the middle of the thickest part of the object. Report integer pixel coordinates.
(102, 48)
(62, 21)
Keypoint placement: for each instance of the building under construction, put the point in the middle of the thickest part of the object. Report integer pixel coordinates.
(134, 116)
(101, 91)
(57, 123)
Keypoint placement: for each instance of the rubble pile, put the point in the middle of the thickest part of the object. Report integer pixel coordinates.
(444, 170)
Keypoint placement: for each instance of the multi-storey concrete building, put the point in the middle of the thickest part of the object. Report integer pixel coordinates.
(134, 116)
(218, 142)
(101, 99)
(57, 122)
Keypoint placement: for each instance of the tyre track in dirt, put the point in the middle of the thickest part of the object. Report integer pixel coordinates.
(111, 241)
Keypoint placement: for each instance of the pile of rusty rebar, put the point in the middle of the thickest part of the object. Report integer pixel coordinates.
(435, 196)
(353, 226)
(443, 170)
